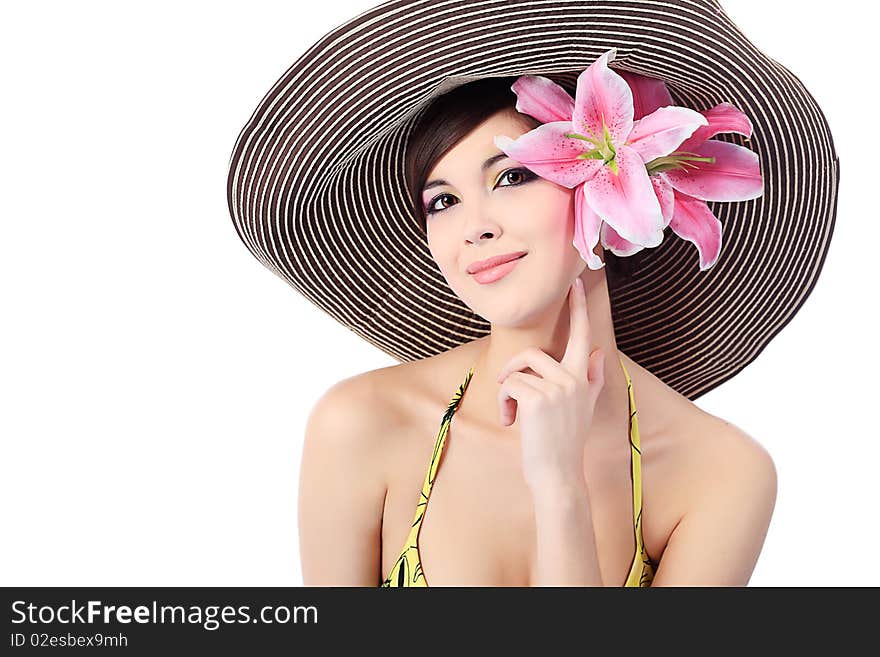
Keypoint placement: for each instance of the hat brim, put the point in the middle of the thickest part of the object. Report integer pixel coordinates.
(317, 192)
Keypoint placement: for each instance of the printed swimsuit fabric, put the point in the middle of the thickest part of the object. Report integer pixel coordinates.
(407, 570)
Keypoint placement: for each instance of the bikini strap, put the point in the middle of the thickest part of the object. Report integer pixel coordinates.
(636, 449)
(439, 443)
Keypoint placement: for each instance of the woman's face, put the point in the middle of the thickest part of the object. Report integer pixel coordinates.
(478, 213)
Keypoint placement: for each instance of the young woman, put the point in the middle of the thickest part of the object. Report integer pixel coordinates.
(539, 454)
(538, 432)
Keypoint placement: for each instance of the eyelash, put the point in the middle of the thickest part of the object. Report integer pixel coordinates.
(528, 176)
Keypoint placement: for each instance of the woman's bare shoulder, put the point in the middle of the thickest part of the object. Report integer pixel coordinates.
(378, 407)
(408, 394)
(683, 444)
(674, 419)
(354, 408)
(699, 434)
(344, 481)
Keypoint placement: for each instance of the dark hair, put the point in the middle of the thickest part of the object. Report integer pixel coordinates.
(450, 118)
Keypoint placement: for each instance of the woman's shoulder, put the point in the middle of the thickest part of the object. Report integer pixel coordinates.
(677, 420)
(357, 408)
(409, 393)
(687, 450)
(377, 407)
(691, 458)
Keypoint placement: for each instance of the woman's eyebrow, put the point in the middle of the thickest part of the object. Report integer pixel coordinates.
(488, 163)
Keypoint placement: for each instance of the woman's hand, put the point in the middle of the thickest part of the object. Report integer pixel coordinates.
(556, 408)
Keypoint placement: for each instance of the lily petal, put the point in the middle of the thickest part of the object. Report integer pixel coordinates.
(586, 230)
(734, 176)
(694, 221)
(665, 196)
(724, 117)
(663, 131)
(627, 200)
(547, 152)
(648, 93)
(603, 98)
(619, 246)
(542, 98)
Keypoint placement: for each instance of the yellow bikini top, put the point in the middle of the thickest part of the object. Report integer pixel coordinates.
(407, 570)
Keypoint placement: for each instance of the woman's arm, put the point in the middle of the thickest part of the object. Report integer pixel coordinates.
(566, 541)
(719, 538)
(342, 489)
(717, 541)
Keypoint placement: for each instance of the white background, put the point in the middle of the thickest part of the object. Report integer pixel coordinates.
(156, 378)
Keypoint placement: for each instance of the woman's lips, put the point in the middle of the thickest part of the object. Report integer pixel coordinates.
(486, 276)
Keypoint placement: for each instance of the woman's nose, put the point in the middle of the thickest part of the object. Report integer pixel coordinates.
(482, 229)
(479, 235)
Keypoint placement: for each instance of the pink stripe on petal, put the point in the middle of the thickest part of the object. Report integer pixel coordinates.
(662, 131)
(586, 230)
(603, 94)
(694, 222)
(627, 200)
(542, 99)
(734, 176)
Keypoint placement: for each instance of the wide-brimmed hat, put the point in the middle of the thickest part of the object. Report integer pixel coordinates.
(317, 188)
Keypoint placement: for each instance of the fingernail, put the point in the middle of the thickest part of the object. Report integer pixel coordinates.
(579, 282)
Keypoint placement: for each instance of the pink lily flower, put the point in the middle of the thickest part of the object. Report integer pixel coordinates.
(630, 182)
(609, 160)
(727, 172)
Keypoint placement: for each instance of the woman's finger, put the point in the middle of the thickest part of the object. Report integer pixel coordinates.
(596, 373)
(517, 387)
(540, 361)
(577, 350)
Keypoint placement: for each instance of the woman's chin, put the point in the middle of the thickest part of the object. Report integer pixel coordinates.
(521, 317)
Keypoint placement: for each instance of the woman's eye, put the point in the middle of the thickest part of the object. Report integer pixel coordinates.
(522, 176)
(518, 172)
(431, 209)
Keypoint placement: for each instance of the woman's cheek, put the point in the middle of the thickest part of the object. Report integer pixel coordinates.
(447, 266)
(557, 209)
(565, 212)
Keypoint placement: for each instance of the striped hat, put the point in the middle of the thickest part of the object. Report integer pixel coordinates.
(333, 131)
